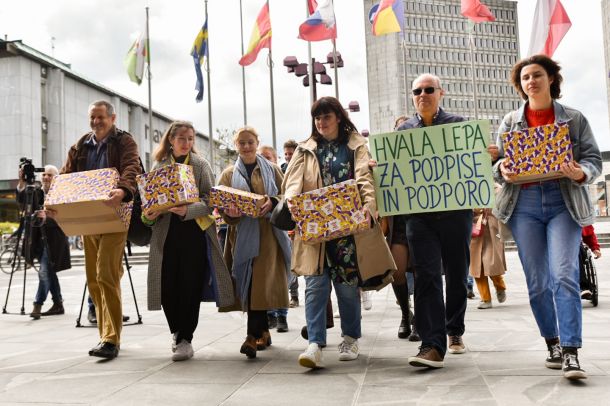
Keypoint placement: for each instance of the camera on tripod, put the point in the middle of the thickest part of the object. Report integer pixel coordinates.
(29, 170)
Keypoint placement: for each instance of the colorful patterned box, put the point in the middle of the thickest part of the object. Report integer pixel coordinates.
(167, 186)
(537, 153)
(78, 198)
(328, 213)
(248, 203)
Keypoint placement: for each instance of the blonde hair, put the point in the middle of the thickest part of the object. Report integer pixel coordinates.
(51, 169)
(246, 129)
(164, 148)
(263, 148)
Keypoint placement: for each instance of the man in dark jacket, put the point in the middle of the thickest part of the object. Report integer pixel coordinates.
(439, 239)
(106, 147)
(49, 245)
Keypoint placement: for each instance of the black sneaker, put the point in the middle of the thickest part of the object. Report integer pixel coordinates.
(271, 321)
(282, 324)
(571, 366)
(553, 361)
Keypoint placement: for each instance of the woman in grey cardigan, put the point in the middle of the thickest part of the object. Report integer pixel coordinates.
(185, 261)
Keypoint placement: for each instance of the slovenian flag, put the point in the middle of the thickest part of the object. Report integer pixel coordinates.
(261, 36)
(387, 17)
(551, 23)
(476, 12)
(320, 25)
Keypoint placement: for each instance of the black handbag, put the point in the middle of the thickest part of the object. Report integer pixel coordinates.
(281, 216)
(138, 233)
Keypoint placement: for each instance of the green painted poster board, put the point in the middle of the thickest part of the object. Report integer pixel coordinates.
(438, 168)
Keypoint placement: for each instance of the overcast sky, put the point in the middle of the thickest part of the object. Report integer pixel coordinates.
(95, 36)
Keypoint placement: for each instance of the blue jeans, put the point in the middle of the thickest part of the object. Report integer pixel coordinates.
(440, 240)
(548, 241)
(317, 289)
(47, 281)
(277, 312)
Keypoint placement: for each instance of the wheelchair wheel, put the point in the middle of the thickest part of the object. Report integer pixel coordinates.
(590, 274)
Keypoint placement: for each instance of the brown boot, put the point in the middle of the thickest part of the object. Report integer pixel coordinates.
(36, 311)
(57, 308)
(263, 342)
(249, 347)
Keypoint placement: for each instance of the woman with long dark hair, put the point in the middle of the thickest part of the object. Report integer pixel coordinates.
(546, 217)
(334, 153)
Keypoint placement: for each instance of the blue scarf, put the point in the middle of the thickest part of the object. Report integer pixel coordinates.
(247, 243)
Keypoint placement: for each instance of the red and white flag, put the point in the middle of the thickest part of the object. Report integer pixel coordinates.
(551, 23)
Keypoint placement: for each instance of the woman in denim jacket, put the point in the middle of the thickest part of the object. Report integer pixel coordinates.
(546, 217)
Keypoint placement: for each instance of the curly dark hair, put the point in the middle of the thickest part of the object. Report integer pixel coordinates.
(326, 105)
(551, 67)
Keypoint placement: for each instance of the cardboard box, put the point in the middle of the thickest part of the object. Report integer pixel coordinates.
(79, 200)
(248, 203)
(328, 213)
(167, 186)
(537, 153)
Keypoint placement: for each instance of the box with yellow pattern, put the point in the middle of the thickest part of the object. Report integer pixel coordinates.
(79, 200)
(331, 212)
(168, 186)
(537, 153)
(248, 203)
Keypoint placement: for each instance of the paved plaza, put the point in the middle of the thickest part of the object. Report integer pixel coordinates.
(45, 361)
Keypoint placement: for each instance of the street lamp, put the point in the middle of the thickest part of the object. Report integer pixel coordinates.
(302, 70)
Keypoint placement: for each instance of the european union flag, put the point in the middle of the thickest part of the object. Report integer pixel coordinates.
(200, 50)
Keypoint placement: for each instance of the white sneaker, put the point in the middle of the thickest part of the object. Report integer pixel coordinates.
(174, 344)
(484, 305)
(312, 357)
(184, 351)
(367, 303)
(348, 349)
(501, 295)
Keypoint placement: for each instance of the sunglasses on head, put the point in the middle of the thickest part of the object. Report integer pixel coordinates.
(427, 90)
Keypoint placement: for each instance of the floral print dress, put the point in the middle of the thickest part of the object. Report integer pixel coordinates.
(336, 166)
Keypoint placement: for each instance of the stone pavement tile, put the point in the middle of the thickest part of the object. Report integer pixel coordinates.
(127, 361)
(70, 388)
(36, 361)
(421, 394)
(287, 363)
(556, 391)
(200, 394)
(395, 348)
(200, 371)
(9, 380)
(459, 370)
(314, 387)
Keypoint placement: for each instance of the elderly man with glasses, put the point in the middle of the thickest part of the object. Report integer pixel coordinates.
(438, 241)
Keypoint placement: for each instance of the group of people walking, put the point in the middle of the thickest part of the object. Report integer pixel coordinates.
(258, 262)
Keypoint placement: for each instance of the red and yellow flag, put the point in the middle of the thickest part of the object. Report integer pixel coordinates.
(261, 36)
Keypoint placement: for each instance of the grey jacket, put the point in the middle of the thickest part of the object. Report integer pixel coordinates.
(586, 153)
(224, 294)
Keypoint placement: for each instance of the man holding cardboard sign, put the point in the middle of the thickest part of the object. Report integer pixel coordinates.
(106, 147)
(439, 168)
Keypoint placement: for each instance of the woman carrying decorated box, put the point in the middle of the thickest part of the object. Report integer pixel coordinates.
(185, 262)
(334, 153)
(546, 217)
(257, 253)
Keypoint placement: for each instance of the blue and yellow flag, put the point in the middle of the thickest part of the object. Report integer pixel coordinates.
(199, 51)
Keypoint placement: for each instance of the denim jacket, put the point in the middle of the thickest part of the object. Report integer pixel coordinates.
(586, 153)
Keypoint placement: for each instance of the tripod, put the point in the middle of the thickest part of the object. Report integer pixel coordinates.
(133, 292)
(24, 242)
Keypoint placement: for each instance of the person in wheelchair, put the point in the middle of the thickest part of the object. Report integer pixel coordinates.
(590, 240)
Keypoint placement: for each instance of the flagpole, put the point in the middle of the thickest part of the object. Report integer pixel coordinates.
(336, 69)
(474, 87)
(405, 73)
(270, 63)
(243, 68)
(312, 77)
(207, 69)
(150, 114)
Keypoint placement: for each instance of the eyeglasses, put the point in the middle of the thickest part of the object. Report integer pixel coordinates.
(427, 90)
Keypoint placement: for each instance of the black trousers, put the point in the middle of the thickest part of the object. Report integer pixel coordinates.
(257, 319)
(440, 240)
(184, 271)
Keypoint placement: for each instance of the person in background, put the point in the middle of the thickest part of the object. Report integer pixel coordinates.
(487, 259)
(185, 264)
(106, 146)
(276, 318)
(49, 244)
(289, 147)
(546, 217)
(590, 239)
(334, 153)
(257, 253)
